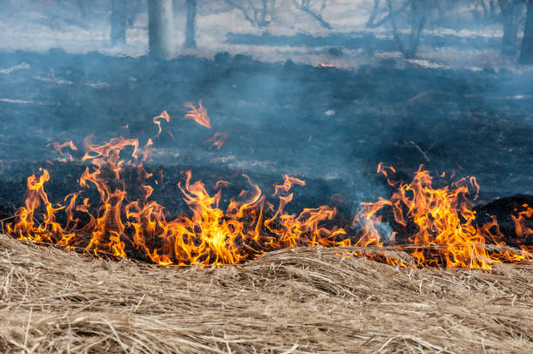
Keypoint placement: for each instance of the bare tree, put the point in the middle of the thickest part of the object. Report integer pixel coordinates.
(488, 7)
(410, 14)
(160, 28)
(416, 13)
(379, 15)
(526, 55)
(307, 7)
(190, 29)
(257, 12)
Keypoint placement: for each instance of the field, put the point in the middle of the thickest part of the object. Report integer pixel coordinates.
(290, 301)
(292, 99)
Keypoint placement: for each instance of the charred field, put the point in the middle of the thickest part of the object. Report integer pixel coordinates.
(328, 126)
(331, 125)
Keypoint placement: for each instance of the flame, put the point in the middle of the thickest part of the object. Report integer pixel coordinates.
(522, 230)
(443, 219)
(58, 147)
(207, 235)
(288, 183)
(124, 220)
(218, 140)
(157, 121)
(199, 115)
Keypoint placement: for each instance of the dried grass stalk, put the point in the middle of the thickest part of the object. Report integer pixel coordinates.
(290, 301)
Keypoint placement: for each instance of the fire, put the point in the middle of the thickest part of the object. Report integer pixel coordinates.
(199, 115)
(58, 147)
(442, 220)
(117, 226)
(124, 221)
(157, 121)
(218, 140)
(522, 230)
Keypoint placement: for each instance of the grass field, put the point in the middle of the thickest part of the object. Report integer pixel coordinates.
(290, 301)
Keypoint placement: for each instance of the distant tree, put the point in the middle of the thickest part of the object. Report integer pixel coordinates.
(190, 29)
(308, 7)
(80, 4)
(412, 15)
(416, 12)
(257, 12)
(379, 15)
(119, 21)
(488, 7)
(510, 14)
(526, 55)
(160, 29)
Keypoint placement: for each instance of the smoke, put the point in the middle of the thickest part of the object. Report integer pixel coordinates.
(293, 97)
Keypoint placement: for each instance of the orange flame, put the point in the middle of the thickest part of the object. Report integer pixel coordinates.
(58, 147)
(218, 140)
(288, 183)
(157, 121)
(446, 233)
(126, 223)
(199, 115)
(523, 232)
(208, 236)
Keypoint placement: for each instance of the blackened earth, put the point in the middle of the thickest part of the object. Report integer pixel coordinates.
(330, 127)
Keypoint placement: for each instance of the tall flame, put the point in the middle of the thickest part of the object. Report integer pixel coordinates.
(208, 235)
(125, 222)
(523, 232)
(443, 219)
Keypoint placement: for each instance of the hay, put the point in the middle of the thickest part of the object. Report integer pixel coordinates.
(290, 301)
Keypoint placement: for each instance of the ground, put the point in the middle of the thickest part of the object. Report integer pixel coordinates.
(290, 301)
(286, 118)
(327, 106)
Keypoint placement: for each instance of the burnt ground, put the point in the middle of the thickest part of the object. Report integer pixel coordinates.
(331, 127)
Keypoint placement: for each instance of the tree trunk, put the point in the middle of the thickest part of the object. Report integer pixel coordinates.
(417, 23)
(510, 14)
(160, 29)
(118, 22)
(526, 56)
(190, 30)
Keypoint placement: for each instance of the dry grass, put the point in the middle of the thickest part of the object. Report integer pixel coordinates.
(291, 301)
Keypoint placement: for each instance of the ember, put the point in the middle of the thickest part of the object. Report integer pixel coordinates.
(218, 140)
(199, 115)
(157, 121)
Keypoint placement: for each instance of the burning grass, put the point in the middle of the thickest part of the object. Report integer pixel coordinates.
(290, 301)
(442, 221)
